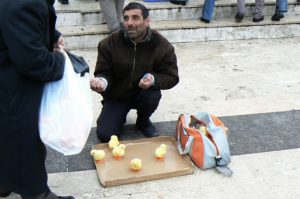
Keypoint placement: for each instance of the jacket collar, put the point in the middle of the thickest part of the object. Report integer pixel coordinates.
(146, 39)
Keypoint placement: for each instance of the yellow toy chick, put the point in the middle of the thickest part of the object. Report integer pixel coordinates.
(119, 151)
(98, 155)
(161, 152)
(136, 164)
(113, 142)
(203, 130)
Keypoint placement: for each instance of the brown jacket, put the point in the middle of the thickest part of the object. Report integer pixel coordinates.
(123, 63)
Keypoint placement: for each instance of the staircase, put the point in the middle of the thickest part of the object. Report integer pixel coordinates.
(81, 22)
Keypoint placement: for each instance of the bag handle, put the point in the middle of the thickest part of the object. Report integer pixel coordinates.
(187, 147)
(188, 144)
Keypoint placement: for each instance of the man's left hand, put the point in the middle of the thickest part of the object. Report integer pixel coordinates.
(60, 41)
(59, 46)
(147, 81)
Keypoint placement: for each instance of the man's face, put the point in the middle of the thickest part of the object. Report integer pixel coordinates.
(135, 24)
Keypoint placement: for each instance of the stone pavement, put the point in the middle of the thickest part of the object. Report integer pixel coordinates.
(272, 175)
(253, 86)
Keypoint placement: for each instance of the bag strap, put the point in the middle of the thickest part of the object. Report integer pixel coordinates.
(189, 142)
(187, 147)
(225, 170)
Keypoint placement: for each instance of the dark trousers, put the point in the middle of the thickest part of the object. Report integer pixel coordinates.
(113, 115)
(45, 195)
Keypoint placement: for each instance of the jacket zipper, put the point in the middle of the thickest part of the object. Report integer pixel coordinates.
(133, 67)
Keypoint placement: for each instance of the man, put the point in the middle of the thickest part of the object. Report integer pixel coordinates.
(241, 9)
(27, 61)
(112, 13)
(133, 65)
(207, 11)
(281, 8)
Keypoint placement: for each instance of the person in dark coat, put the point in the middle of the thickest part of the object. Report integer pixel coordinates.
(27, 62)
(133, 66)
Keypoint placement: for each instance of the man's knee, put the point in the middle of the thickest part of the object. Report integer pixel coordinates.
(103, 133)
(105, 129)
(150, 98)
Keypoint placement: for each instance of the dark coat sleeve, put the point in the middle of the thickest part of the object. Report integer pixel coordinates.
(104, 62)
(57, 34)
(166, 74)
(27, 46)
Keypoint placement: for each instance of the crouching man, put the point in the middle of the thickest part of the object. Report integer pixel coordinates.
(133, 66)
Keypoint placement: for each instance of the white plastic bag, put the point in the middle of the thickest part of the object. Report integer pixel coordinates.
(66, 112)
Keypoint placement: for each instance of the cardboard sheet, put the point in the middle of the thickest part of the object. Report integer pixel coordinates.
(113, 172)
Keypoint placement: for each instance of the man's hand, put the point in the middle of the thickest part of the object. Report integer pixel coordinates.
(97, 85)
(147, 81)
(60, 41)
(60, 49)
(59, 46)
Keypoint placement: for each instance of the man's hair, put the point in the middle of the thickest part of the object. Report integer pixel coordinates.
(135, 5)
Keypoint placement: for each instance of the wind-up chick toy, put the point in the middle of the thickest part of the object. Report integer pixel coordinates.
(136, 164)
(161, 152)
(119, 151)
(203, 130)
(113, 142)
(98, 155)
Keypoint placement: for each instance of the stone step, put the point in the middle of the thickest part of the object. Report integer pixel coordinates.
(192, 31)
(89, 11)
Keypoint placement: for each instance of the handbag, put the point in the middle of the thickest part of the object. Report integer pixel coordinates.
(66, 114)
(204, 138)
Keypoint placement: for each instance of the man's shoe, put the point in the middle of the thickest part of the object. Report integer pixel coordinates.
(65, 197)
(239, 17)
(204, 20)
(258, 19)
(3, 195)
(64, 1)
(148, 130)
(183, 3)
(277, 16)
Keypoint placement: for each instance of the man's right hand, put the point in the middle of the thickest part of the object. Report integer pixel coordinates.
(97, 84)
